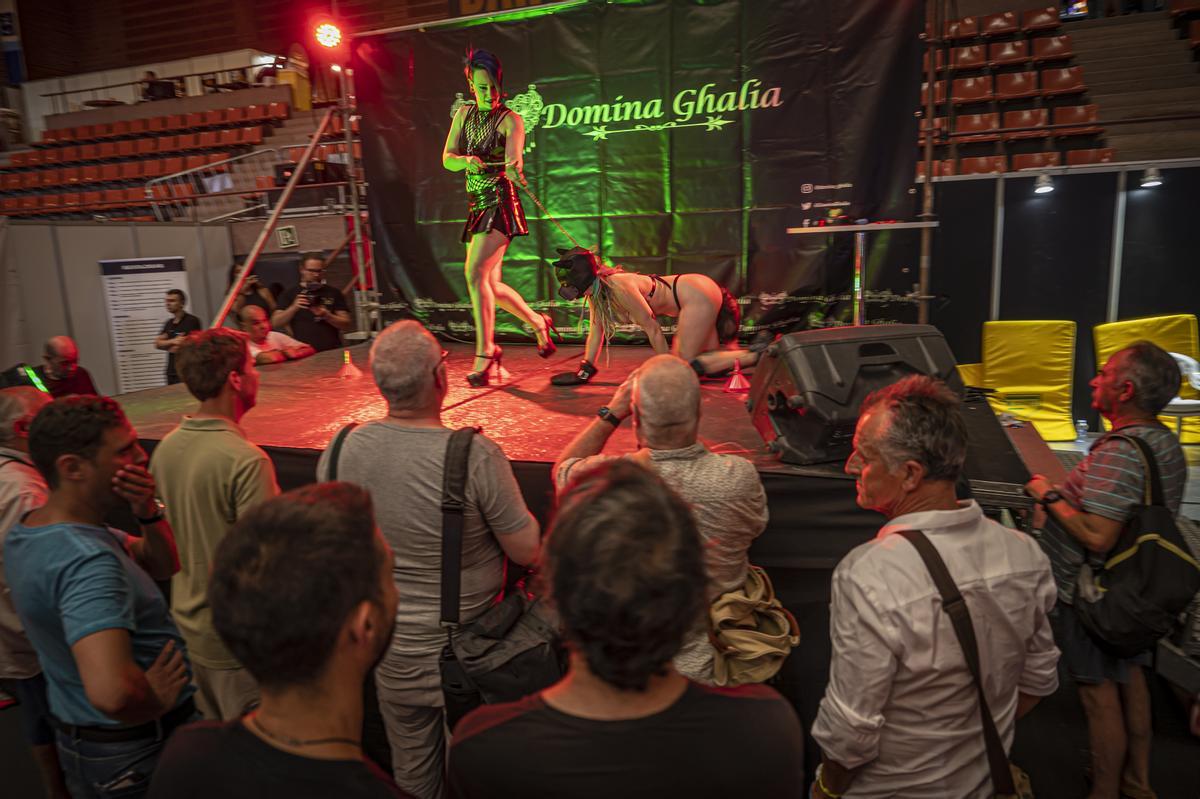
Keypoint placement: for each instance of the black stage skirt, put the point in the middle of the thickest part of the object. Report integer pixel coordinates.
(497, 209)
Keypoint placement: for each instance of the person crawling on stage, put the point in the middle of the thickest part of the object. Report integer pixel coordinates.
(709, 316)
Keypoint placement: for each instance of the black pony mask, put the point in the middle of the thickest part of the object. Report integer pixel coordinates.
(575, 271)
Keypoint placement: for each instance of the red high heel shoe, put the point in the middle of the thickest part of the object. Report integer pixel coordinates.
(484, 378)
(548, 349)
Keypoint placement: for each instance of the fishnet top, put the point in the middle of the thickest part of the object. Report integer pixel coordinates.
(481, 137)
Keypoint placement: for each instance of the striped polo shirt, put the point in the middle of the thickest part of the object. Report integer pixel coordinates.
(1109, 482)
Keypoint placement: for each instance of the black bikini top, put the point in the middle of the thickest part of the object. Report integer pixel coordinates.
(655, 280)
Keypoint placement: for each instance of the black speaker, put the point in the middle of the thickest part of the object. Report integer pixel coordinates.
(808, 386)
(314, 172)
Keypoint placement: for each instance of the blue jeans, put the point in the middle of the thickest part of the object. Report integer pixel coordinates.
(96, 770)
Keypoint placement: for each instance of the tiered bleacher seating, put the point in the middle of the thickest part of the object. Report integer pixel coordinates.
(1009, 70)
(108, 158)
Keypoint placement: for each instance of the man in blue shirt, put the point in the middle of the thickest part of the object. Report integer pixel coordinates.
(115, 665)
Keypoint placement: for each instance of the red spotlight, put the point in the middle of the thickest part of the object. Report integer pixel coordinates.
(328, 35)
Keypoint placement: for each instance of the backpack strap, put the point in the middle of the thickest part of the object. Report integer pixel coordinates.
(960, 617)
(454, 506)
(335, 449)
(1154, 490)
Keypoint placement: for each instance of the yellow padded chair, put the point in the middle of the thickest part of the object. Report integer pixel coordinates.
(1175, 333)
(1030, 365)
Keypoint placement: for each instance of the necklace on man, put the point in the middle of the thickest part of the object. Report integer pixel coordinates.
(296, 742)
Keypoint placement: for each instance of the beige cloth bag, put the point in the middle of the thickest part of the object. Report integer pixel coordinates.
(752, 632)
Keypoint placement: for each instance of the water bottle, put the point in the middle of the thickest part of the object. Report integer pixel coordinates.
(1081, 430)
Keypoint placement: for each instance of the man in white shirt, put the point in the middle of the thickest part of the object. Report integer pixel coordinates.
(267, 345)
(900, 717)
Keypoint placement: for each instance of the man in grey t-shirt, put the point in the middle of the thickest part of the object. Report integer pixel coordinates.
(399, 459)
(1084, 518)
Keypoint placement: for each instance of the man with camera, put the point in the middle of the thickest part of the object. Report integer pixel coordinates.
(317, 313)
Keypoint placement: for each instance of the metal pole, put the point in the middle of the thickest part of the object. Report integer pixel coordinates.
(352, 168)
(925, 266)
(261, 242)
(860, 249)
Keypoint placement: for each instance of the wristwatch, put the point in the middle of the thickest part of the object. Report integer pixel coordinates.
(607, 415)
(1049, 498)
(160, 511)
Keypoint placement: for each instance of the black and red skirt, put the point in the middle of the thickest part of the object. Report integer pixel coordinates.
(497, 208)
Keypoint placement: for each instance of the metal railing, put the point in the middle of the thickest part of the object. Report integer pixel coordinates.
(234, 77)
(219, 186)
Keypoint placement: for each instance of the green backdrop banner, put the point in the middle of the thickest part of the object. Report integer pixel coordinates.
(670, 135)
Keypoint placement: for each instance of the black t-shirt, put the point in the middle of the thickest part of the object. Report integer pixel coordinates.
(306, 327)
(188, 324)
(713, 742)
(225, 760)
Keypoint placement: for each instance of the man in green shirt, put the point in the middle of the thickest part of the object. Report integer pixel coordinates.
(208, 475)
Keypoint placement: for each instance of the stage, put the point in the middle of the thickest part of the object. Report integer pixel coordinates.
(302, 404)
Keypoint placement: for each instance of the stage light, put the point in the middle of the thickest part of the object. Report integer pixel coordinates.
(1043, 185)
(1152, 178)
(328, 35)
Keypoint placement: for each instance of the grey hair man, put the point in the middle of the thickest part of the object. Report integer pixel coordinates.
(663, 397)
(898, 681)
(22, 489)
(400, 459)
(1084, 518)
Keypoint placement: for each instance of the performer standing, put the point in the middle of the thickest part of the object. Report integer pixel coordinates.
(709, 316)
(487, 140)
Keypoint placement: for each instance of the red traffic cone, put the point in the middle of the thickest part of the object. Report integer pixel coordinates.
(737, 381)
(348, 371)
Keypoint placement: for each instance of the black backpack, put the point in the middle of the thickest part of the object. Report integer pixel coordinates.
(1147, 579)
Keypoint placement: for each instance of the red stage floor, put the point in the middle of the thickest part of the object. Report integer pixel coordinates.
(302, 404)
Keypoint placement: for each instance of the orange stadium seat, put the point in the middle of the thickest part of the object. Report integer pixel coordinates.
(156, 124)
(252, 136)
(985, 165)
(972, 56)
(1030, 118)
(971, 90)
(145, 145)
(138, 127)
(1035, 160)
(278, 111)
(1040, 19)
(1068, 80)
(214, 118)
(1014, 85)
(1001, 54)
(1085, 116)
(235, 115)
(961, 29)
(131, 170)
(1001, 24)
(106, 150)
(194, 120)
(110, 173)
(119, 129)
(126, 148)
(976, 128)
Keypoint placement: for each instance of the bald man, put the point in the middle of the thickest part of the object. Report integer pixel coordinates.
(21, 490)
(663, 397)
(267, 345)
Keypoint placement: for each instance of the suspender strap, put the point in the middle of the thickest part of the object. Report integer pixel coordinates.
(335, 449)
(960, 616)
(454, 504)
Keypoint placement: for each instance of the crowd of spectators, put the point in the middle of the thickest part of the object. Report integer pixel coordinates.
(281, 607)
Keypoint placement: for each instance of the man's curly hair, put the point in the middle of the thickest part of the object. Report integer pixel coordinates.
(625, 567)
